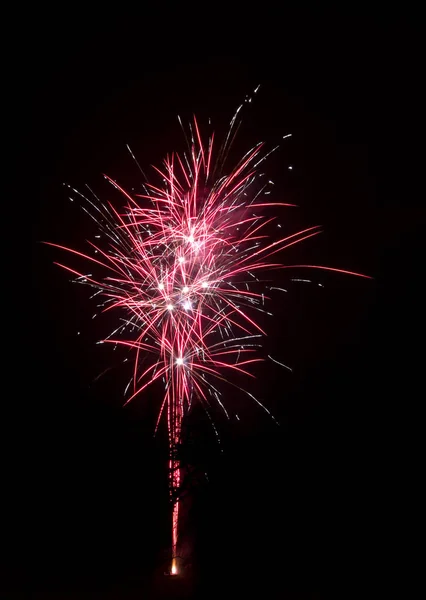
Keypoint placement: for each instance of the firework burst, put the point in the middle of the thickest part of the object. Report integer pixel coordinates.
(179, 266)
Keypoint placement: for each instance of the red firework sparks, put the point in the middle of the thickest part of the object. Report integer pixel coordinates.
(175, 266)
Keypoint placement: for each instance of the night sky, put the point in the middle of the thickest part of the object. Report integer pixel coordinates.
(286, 512)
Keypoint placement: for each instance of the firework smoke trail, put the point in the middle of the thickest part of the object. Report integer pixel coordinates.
(175, 266)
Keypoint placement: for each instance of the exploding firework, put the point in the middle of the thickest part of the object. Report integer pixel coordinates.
(180, 265)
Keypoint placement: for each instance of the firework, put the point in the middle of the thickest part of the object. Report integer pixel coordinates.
(179, 265)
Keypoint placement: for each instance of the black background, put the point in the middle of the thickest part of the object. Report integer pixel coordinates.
(290, 511)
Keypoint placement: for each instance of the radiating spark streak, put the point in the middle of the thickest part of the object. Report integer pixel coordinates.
(280, 363)
(127, 386)
(272, 204)
(326, 269)
(174, 263)
(266, 156)
(156, 376)
(85, 256)
(136, 161)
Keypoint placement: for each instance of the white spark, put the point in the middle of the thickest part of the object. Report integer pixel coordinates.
(279, 363)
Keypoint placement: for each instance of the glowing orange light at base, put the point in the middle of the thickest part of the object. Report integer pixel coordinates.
(175, 522)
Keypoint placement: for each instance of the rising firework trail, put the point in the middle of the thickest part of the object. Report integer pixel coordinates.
(179, 265)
